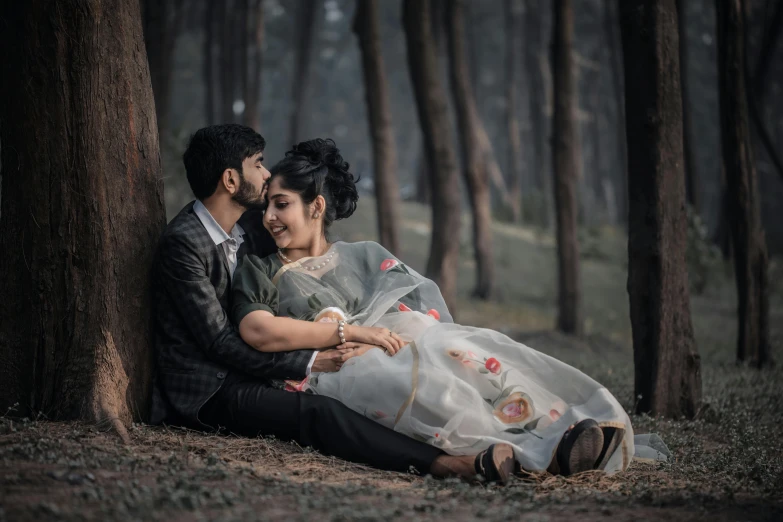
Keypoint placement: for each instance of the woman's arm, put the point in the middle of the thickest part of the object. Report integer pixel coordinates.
(267, 333)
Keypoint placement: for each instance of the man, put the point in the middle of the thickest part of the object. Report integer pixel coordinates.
(207, 377)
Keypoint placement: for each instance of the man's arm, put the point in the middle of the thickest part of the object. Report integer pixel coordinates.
(185, 279)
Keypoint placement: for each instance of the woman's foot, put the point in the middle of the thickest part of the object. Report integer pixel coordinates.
(579, 449)
(496, 463)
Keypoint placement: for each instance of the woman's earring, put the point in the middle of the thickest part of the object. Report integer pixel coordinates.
(316, 215)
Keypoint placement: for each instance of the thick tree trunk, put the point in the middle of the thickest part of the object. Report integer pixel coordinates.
(667, 365)
(436, 128)
(387, 193)
(691, 185)
(255, 37)
(162, 23)
(473, 167)
(513, 44)
(749, 246)
(569, 317)
(304, 43)
(82, 201)
(208, 62)
(611, 22)
(537, 101)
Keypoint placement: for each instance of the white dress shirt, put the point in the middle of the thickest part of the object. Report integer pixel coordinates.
(230, 245)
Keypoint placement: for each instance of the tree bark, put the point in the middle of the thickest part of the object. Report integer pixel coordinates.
(667, 365)
(162, 24)
(82, 201)
(208, 62)
(569, 318)
(537, 101)
(436, 128)
(255, 34)
(513, 44)
(691, 185)
(748, 243)
(304, 43)
(387, 193)
(615, 60)
(473, 167)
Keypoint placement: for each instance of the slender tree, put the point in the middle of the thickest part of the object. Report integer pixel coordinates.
(691, 177)
(473, 166)
(569, 317)
(210, 112)
(512, 13)
(162, 23)
(304, 42)
(255, 43)
(747, 235)
(615, 62)
(537, 102)
(82, 201)
(667, 365)
(436, 128)
(366, 25)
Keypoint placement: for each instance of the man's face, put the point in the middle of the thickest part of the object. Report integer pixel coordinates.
(252, 187)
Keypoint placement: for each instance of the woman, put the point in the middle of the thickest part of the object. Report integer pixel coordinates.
(459, 388)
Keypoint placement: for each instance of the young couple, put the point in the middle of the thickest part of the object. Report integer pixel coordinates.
(376, 371)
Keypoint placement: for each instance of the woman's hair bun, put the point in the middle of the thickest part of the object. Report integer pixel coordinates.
(338, 180)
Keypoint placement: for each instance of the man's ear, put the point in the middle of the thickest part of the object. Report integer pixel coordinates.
(230, 181)
(319, 205)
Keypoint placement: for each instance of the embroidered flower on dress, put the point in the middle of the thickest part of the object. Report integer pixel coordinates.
(455, 354)
(434, 313)
(389, 263)
(516, 408)
(493, 365)
(404, 308)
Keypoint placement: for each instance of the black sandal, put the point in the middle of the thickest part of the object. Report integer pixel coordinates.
(580, 448)
(613, 437)
(496, 463)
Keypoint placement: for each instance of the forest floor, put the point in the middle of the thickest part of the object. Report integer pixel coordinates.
(727, 464)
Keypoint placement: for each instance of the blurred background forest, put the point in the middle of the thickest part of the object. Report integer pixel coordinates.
(333, 104)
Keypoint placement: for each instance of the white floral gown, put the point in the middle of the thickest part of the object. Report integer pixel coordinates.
(455, 387)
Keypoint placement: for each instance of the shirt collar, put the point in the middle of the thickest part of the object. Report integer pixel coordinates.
(214, 230)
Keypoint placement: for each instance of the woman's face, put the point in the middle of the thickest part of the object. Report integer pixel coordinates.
(288, 219)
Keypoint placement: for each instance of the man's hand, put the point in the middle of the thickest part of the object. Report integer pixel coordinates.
(328, 360)
(352, 349)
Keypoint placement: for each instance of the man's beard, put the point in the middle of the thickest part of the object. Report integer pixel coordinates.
(247, 197)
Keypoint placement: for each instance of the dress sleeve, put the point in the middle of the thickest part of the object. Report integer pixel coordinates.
(252, 289)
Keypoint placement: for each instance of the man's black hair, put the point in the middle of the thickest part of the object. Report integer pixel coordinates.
(214, 149)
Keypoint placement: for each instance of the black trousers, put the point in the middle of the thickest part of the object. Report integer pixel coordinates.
(248, 407)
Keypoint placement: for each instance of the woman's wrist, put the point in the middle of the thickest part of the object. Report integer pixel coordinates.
(347, 333)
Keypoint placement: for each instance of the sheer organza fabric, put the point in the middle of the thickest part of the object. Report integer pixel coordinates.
(455, 387)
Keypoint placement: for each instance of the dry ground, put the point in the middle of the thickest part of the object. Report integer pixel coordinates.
(727, 464)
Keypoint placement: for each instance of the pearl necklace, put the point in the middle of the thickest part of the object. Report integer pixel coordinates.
(314, 267)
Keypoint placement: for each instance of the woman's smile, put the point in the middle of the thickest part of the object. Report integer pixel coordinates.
(277, 230)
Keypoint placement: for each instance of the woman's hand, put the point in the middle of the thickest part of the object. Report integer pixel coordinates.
(372, 335)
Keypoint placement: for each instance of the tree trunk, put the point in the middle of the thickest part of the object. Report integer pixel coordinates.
(473, 166)
(208, 63)
(749, 246)
(366, 25)
(304, 44)
(537, 101)
(667, 365)
(255, 34)
(227, 72)
(691, 185)
(436, 128)
(569, 318)
(162, 24)
(82, 201)
(611, 22)
(513, 44)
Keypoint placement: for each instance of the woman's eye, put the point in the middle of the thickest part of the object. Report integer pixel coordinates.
(282, 204)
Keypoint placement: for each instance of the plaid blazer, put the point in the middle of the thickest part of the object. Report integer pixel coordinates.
(196, 346)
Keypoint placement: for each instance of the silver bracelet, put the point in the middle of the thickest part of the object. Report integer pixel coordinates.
(341, 331)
